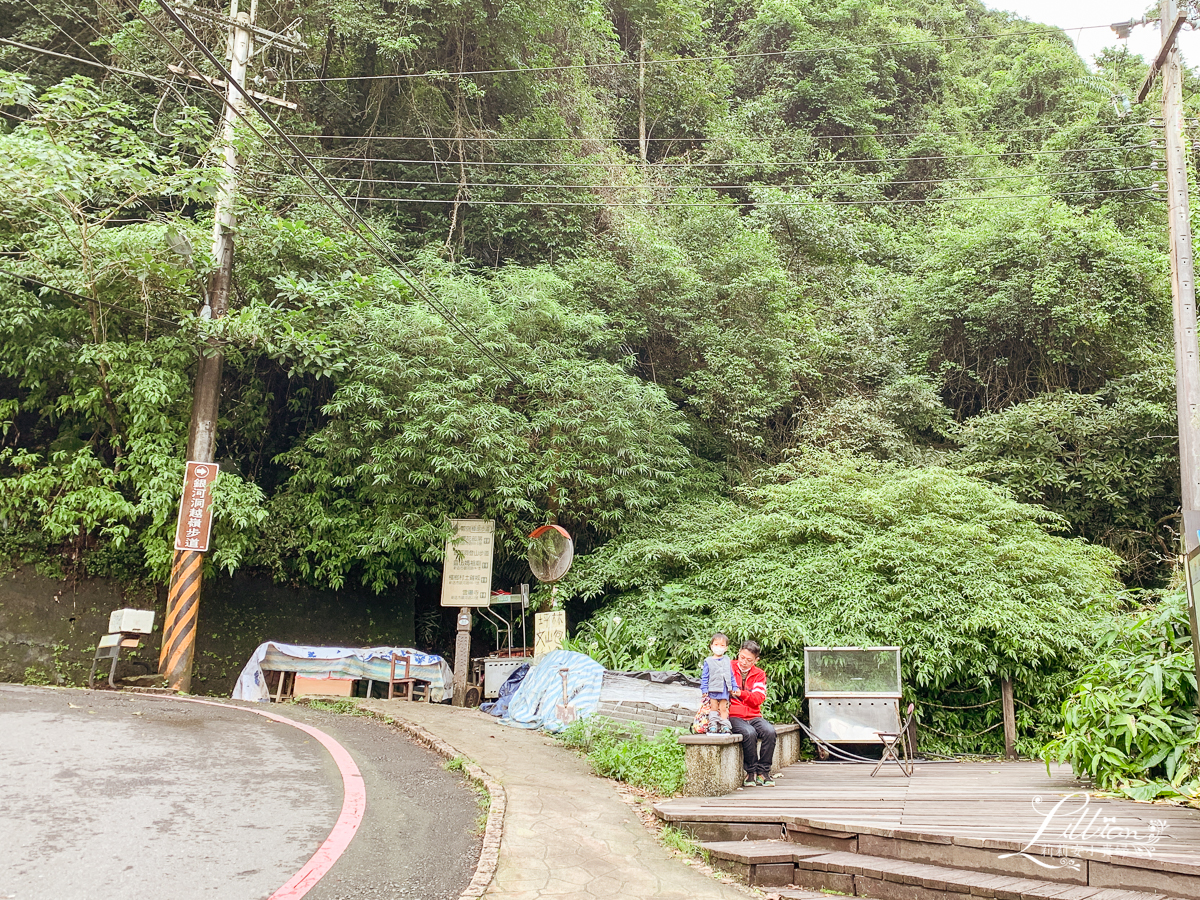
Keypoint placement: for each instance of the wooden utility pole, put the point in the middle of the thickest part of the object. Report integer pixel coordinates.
(187, 568)
(1183, 296)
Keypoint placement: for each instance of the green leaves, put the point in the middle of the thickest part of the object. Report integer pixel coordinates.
(837, 550)
(1106, 461)
(423, 428)
(1130, 721)
(1030, 298)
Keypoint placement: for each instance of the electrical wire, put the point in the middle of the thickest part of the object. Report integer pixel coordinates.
(356, 223)
(897, 201)
(81, 20)
(81, 61)
(87, 299)
(731, 163)
(414, 283)
(727, 186)
(68, 34)
(690, 165)
(762, 54)
(761, 137)
(171, 89)
(713, 165)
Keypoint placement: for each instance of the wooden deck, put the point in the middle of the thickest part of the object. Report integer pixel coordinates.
(996, 806)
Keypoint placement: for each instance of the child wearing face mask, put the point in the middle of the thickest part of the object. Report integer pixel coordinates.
(716, 684)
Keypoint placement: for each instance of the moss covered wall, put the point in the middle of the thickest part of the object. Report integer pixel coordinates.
(49, 627)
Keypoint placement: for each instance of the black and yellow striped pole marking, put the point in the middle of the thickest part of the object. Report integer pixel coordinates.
(187, 574)
(179, 628)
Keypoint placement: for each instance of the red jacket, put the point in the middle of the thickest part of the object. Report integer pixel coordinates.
(748, 704)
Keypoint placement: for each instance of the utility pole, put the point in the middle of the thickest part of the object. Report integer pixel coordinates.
(187, 568)
(1183, 296)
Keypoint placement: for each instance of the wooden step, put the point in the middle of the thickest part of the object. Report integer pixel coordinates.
(760, 863)
(778, 864)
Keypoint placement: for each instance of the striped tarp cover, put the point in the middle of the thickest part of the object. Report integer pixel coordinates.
(374, 663)
(532, 706)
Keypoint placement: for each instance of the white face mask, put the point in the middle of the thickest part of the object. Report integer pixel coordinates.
(719, 649)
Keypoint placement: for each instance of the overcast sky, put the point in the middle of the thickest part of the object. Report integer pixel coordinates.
(1075, 16)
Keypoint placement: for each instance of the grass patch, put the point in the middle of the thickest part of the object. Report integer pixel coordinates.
(614, 752)
(341, 707)
(675, 839)
(482, 797)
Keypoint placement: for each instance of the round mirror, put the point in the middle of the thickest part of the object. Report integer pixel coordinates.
(551, 551)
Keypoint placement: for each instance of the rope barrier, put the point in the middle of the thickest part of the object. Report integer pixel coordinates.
(976, 706)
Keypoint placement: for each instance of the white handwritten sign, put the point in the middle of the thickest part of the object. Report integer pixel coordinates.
(467, 573)
(549, 630)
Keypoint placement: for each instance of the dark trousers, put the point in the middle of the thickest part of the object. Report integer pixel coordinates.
(756, 756)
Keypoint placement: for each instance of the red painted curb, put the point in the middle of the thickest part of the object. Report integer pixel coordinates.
(354, 804)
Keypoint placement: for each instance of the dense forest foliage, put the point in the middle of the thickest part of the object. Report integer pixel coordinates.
(824, 322)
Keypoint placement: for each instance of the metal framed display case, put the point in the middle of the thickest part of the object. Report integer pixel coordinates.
(853, 693)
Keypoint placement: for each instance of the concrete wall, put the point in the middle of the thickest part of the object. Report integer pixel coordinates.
(647, 717)
(49, 627)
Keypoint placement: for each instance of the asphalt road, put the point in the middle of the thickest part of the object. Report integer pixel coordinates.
(110, 795)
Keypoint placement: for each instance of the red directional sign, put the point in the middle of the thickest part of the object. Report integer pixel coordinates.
(195, 507)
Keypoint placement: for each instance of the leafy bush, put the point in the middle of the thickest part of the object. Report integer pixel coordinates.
(610, 641)
(1130, 722)
(1107, 462)
(613, 752)
(837, 551)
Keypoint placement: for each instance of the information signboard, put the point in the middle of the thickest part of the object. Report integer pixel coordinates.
(467, 573)
(195, 507)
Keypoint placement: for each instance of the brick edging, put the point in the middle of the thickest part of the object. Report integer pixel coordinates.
(489, 854)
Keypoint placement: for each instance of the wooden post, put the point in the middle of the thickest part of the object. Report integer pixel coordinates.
(1010, 719)
(462, 656)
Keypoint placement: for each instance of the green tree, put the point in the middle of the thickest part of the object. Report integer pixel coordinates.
(1027, 298)
(837, 550)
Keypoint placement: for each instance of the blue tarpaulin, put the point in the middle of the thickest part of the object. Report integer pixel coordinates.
(512, 684)
(532, 706)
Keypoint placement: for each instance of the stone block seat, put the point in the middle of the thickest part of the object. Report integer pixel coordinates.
(714, 761)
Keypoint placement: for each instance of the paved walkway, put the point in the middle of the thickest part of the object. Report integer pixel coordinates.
(566, 832)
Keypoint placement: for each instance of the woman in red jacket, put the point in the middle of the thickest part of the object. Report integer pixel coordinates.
(745, 716)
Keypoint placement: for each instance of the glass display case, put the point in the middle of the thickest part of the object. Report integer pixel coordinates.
(853, 693)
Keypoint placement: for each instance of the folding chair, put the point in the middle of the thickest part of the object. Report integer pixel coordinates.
(408, 685)
(896, 747)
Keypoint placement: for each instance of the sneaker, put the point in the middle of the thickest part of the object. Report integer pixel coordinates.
(749, 782)
(764, 781)
(726, 728)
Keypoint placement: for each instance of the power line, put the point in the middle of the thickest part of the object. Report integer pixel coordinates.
(716, 203)
(729, 186)
(713, 165)
(87, 299)
(388, 256)
(68, 34)
(412, 282)
(83, 62)
(690, 59)
(489, 139)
